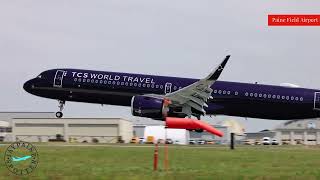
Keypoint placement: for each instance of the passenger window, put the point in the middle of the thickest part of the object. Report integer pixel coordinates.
(157, 86)
(269, 96)
(161, 86)
(255, 94)
(224, 92)
(135, 84)
(288, 98)
(297, 99)
(219, 91)
(246, 94)
(143, 85)
(215, 91)
(260, 95)
(264, 95)
(236, 93)
(126, 83)
(274, 96)
(301, 99)
(122, 83)
(283, 97)
(228, 92)
(148, 85)
(251, 94)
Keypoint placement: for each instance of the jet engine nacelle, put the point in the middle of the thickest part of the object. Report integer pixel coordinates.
(150, 107)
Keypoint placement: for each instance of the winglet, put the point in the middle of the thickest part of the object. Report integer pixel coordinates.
(215, 75)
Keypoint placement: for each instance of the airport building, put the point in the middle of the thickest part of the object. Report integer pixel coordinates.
(139, 125)
(294, 132)
(306, 132)
(5, 128)
(8, 116)
(99, 130)
(44, 127)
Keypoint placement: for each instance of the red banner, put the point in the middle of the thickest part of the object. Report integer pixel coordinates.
(293, 20)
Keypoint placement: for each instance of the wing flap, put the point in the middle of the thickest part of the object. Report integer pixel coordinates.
(196, 106)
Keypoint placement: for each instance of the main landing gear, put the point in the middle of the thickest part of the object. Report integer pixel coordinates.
(59, 114)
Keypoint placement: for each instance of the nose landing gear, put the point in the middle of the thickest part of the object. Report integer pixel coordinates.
(59, 114)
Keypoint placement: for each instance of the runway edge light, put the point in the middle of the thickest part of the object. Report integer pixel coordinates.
(186, 123)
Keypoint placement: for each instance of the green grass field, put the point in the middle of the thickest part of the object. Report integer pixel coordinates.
(199, 162)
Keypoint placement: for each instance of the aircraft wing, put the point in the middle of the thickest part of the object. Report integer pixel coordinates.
(197, 94)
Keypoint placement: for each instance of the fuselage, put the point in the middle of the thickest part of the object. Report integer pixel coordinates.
(229, 98)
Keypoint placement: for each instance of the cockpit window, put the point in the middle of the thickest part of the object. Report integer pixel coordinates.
(39, 76)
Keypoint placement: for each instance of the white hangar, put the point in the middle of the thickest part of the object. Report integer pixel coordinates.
(293, 132)
(99, 130)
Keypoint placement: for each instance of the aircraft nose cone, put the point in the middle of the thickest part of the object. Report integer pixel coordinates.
(27, 85)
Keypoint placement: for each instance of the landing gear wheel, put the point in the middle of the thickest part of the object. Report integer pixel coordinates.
(59, 114)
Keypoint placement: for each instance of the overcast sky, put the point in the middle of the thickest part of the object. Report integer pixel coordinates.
(183, 38)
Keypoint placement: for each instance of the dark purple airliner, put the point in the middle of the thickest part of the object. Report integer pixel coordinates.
(157, 97)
